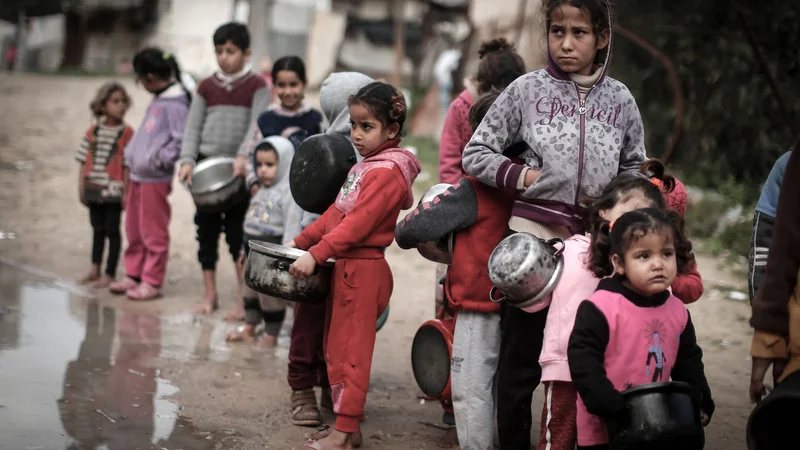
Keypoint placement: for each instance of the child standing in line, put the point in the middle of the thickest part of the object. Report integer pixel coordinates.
(226, 104)
(644, 249)
(582, 128)
(103, 178)
(289, 78)
(267, 220)
(627, 192)
(307, 366)
(356, 230)
(150, 158)
(478, 215)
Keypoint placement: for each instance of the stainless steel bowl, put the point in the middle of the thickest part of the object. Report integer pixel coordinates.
(214, 188)
(525, 268)
(267, 272)
(440, 250)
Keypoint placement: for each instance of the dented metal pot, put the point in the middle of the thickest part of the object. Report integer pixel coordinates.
(267, 272)
(525, 269)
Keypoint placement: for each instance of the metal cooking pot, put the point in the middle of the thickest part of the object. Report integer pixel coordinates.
(267, 272)
(214, 188)
(772, 423)
(431, 352)
(525, 268)
(319, 169)
(658, 416)
(440, 250)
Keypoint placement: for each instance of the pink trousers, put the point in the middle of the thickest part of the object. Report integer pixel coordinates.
(147, 218)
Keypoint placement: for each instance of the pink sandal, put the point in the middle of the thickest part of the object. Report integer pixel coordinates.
(122, 286)
(143, 291)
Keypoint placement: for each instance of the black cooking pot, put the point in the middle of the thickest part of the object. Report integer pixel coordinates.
(319, 169)
(658, 416)
(772, 424)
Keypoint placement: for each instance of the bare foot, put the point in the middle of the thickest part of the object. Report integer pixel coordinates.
(90, 277)
(449, 440)
(268, 341)
(324, 431)
(237, 315)
(209, 306)
(244, 333)
(336, 440)
(103, 282)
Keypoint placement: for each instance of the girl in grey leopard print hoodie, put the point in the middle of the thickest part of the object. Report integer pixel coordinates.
(581, 130)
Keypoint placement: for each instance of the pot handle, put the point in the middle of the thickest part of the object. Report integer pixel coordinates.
(283, 265)
(558, 251)
(496, 300)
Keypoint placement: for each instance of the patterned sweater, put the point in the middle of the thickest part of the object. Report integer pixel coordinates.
(223, 116)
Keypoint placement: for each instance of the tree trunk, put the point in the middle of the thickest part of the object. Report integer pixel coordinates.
(75, 32)
(399, 43)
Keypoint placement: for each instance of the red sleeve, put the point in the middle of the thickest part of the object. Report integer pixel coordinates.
(381, 194)
(688, 287)
(314, 232)
(455, 136)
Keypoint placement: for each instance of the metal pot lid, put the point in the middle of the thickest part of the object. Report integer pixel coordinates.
(281, 251)
(546, 290)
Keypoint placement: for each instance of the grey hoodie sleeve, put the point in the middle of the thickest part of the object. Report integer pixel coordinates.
(501, 128)
(633, 152)
(455, 209)
(194, 129)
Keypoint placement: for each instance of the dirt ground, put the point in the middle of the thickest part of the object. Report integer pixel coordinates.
(242, 390)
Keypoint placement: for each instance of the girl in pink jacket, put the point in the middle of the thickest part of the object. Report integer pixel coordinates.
(627, 192)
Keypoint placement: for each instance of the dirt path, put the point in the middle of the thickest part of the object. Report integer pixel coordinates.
(42, 119)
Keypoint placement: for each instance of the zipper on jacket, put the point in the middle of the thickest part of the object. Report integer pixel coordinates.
(582, 131)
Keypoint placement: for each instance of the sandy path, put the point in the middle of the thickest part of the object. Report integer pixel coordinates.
(42, 119)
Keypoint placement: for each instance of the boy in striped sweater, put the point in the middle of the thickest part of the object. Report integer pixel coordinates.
(221, 119)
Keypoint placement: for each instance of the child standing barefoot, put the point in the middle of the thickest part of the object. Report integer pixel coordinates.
(103, 178)
(151, 157)
(356, 230)
(644, 250)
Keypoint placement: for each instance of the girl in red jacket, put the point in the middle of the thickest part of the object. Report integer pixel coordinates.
(356, 230)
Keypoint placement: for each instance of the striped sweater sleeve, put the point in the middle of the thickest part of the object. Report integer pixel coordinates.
(501, 128)
(83, 150)
(261, 99)
(194, 130)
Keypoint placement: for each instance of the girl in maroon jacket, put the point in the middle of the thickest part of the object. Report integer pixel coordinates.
(356, 230)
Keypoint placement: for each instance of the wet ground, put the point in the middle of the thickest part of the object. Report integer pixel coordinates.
(79, 375)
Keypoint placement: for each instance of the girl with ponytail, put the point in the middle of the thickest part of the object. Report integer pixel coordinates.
(150, 158)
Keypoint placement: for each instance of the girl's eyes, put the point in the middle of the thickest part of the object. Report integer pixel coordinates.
(643, 256)
(668, 254)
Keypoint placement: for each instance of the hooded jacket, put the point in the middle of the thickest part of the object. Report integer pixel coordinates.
(156, 144)
(360, 224)
(579, 145)
(456, 134)
(273, 211)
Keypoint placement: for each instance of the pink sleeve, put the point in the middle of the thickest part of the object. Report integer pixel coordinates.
(688, 287)
(455, 136)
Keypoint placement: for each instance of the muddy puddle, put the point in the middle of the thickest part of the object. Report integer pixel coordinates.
(78, 375)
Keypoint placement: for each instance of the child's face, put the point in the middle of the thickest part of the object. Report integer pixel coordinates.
(649, 263)
(367, 132)
(631, 201)
(289, 88)
(151, 83)
(573, 44)
(231, 59)
(115, 107)
(267, 166)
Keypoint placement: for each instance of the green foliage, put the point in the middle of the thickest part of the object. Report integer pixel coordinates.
(734, 130)
(428, 154)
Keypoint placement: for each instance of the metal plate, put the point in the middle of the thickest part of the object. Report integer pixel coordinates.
(430, 360)
(212, 174)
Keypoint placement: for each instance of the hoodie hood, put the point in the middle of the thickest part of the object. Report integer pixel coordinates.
(333, 95)
(556, 72)
(405, 161)
(285, 150)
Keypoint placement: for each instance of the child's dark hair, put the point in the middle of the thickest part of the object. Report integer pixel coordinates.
(265, 147)
(384, 101)
(481, 106)
(629, 228)
(292, 63)
(104, 94)
(597, 10)
(500, 65)
(234, 32)
(626, 184)
(160, 64)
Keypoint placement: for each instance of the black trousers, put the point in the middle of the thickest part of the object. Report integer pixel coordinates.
(518, 374)
(209, 227)
(105, 218)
